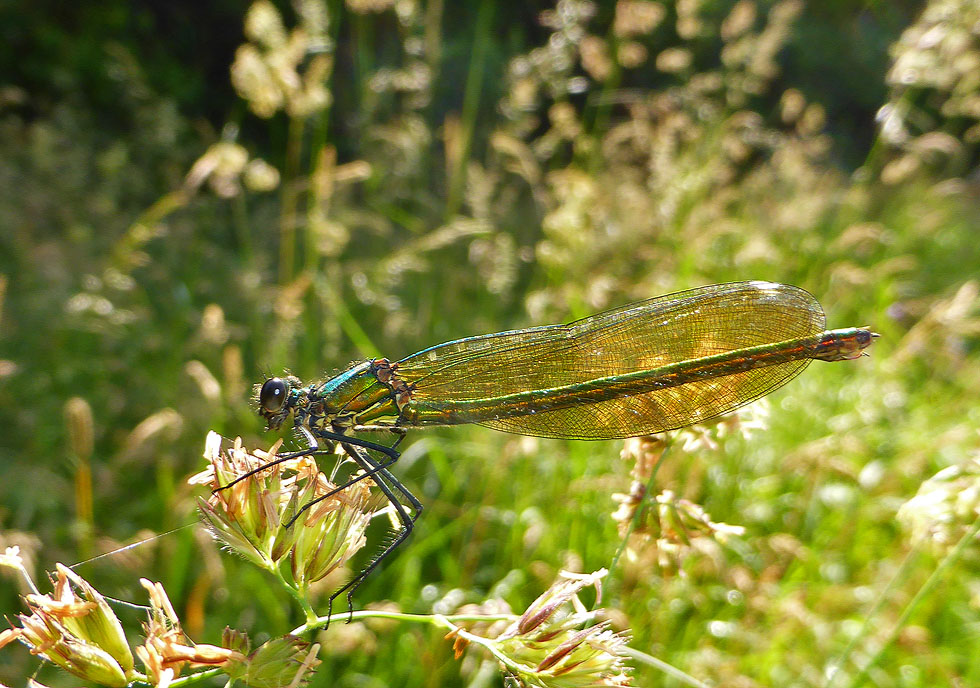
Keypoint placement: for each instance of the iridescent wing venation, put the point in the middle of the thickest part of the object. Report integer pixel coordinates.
(639, 336)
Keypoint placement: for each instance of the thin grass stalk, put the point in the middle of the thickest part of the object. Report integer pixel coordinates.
(637, 516)
(668, 669)
(948, 561)
(78, 417)
(363, 59)
(290, 200)
(239, 209)
(433, 35)
(471, 106)
(869, 617)
(348, 323)
(602, 110)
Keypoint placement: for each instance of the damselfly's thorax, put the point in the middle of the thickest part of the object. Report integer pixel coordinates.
(368, 391)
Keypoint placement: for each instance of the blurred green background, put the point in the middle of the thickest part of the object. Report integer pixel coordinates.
(195, 195)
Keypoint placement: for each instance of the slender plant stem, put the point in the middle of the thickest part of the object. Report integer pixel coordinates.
(83, 504)
(239, 210)
(433, 35)
(348, 323)
(471, 105)
(637, 513)
(301, 595)
(948, 561)
(448, 622)
(432, 619)
(668, 669)
(191, 679)
(602, 108)
(27, 577)
(290, 200)
(869, 617)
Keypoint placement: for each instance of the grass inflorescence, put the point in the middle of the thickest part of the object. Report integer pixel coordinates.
(398, 174)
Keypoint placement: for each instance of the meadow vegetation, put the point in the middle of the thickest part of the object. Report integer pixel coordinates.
(393, 174)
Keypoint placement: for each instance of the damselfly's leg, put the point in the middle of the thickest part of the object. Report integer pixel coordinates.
(371, 468)
(357, 450)
(275, 462)
(313, 447)
(382, 479)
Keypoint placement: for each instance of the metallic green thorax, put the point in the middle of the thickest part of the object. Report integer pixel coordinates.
(338, 401)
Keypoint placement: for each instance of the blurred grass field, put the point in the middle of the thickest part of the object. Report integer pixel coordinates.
(397, 174)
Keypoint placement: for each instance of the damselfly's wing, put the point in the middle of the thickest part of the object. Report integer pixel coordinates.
(668, 329)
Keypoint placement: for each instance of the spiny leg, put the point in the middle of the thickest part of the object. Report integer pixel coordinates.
(275, 462)
(384, 477)
(373, 471)
(357, 449)
(334, 436)
(376, 467)
(313, 447)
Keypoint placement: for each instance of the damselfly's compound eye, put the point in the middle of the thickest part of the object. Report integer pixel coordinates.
(273, 395)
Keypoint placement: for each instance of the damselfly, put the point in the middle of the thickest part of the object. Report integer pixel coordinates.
(647, 367)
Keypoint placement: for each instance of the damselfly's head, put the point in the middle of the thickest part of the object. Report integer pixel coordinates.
(276, 399)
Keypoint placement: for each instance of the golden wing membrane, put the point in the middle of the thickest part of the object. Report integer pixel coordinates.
(646, 335)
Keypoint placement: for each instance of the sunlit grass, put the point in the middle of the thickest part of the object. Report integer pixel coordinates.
(620, 162)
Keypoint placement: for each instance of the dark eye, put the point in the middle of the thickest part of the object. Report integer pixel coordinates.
(273, 395)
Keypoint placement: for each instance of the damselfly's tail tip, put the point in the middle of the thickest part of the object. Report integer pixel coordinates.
(874, 335)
